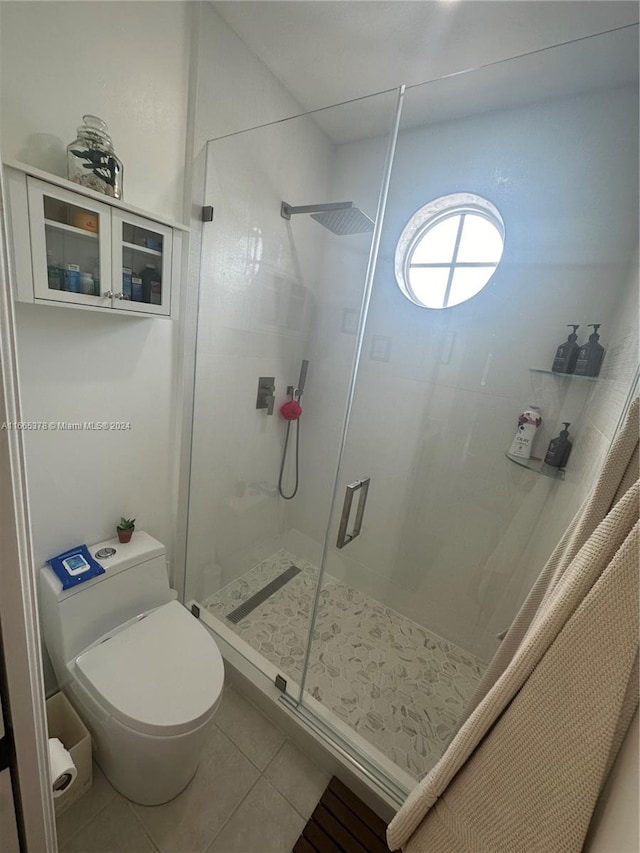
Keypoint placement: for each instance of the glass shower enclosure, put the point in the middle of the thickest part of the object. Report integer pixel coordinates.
(376, 593)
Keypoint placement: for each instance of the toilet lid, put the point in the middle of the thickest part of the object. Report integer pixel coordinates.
(162, 675)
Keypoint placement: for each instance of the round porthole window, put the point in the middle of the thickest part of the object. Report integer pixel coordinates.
(449, 250)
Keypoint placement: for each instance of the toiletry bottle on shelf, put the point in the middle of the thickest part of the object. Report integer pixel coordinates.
(136, 288)
(528, 423)
(127, 275)
(151, 288)
(590, 355)
(87, 285)
(567, 353)
(559, 448)
(54, 272)
(72, 278)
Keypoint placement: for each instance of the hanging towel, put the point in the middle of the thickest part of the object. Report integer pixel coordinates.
(524, 772)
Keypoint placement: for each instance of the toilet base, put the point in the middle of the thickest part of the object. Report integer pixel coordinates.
(148, 770)
(145, 769)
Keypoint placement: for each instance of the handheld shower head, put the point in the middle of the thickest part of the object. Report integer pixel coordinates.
(303, 376)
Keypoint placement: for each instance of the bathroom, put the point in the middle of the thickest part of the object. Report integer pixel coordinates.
(201, 101)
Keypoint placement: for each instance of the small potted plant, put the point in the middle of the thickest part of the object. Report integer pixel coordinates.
(125, 528)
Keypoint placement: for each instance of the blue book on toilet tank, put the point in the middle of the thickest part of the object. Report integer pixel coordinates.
(75, 566)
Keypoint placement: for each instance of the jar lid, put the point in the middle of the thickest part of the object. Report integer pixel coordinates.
(94, 126)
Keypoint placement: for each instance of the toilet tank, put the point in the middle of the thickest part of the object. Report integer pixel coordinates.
(135, 580)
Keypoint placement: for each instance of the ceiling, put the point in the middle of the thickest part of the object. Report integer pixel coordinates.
(328, 51)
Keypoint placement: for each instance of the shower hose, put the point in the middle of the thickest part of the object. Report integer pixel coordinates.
(284, 458)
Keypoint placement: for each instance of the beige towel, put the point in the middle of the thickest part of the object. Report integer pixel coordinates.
(526, 768)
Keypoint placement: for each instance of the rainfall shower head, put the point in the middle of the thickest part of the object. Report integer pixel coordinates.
(340, 217)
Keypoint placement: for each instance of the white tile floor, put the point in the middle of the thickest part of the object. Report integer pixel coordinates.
(253, 793)
(399, 685)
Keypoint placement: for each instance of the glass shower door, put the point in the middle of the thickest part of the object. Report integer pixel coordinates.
(283, 265)
(437, 532)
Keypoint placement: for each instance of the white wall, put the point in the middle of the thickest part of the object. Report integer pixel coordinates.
(128, 64)
(449, 518)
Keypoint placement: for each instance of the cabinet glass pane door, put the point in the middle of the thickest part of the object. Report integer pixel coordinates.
(70, 239)
(73, 249)
(141, 264)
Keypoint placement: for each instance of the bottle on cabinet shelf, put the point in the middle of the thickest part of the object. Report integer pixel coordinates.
(91, 160)
(55, 273)
(590, 355)
(127, 275)
(72, 278)
(557, 454)
(87, 284)
(136, 288)
(567, 352)
(151, 285)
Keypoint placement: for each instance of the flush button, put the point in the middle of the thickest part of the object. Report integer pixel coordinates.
(103, 553)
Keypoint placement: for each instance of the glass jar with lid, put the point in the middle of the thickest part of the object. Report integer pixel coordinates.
(91, 160)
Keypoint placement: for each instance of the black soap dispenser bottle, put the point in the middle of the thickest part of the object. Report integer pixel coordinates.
(567, 353)
(590, 355)
(557, 454)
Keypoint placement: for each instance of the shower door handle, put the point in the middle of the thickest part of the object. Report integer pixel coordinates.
(363, 487)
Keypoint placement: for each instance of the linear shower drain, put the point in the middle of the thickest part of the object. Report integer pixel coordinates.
(262, 595)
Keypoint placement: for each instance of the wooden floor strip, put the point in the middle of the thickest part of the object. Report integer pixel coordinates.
(337, 831)
(370, 840)
(303, 846)
(342, 823)
(318, 838)
(359, 808)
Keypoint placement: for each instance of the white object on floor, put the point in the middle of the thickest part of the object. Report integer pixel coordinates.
(62, 771)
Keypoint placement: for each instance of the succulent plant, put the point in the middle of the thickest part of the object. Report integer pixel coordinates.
(127, 523)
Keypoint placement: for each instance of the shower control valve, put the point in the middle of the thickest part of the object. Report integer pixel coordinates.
(266, 393)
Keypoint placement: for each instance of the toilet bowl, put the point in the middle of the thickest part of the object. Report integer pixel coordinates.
(148, 686)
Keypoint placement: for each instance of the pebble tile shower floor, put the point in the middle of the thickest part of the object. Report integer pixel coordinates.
(397, 684)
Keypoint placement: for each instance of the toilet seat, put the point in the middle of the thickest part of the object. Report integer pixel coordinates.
(162, 675)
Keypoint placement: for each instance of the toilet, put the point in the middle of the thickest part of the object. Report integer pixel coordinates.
(145, 676)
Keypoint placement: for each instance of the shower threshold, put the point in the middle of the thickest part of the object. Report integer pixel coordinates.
(397, 684)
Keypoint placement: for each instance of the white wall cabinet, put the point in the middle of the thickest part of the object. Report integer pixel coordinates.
(77, 248)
